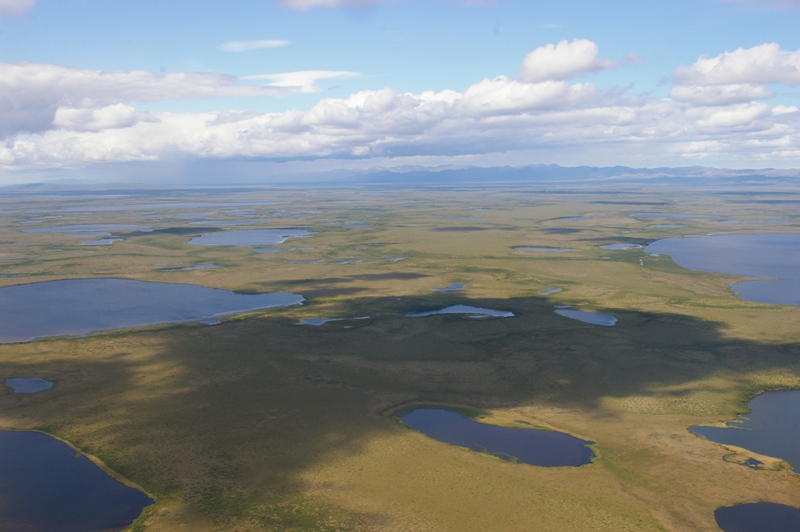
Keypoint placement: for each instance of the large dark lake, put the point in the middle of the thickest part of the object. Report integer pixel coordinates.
(44, 486)
(774, 256)
(772, 428)
(528, 446)
(758, 517)
(80, 306)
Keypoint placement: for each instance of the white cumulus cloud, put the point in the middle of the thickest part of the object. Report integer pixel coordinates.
(562, 61)
(109, 117)
(765, 63)
(719, 94)
(32, 93)
(88, 118)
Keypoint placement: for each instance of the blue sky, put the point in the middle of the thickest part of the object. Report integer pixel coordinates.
(326, 84)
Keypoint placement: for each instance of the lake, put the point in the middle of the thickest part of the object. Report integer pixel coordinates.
(471, 312)
(451, 288)
(29, 385)
(45, 487)
(77, 307)
(758, 517)
(595, 318)
(772, 427)
(774, 256)
(250, 237)
(527, 446)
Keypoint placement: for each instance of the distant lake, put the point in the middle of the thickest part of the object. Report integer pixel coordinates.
(760, 255)
(758, 517)
(45, 487)
(250, 237)
(772, 428)
(527, 446)
(80, 306)
(471, 312)
(595, 318)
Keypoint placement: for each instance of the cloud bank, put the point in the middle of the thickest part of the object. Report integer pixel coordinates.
(716, 109)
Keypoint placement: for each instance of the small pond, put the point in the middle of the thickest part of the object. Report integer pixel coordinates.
(317, 321)
(250, 237)
(527, 446)
(100, 242)
(471, 312)
(45, 487)
(29, 385)
(758, 517)
(774, 256)
(80, 306)
(595, 318)
(451, 288)
(550, 291)
(772, 427)
(543, 249)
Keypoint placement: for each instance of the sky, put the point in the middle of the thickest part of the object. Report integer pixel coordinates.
(117, 89)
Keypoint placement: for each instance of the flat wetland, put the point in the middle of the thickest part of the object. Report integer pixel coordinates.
(258, 424)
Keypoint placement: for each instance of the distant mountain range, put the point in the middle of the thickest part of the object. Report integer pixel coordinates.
(552, 174)
(216, 174)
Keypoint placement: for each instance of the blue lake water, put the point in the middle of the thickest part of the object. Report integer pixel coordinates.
(250, 237)
(472, 312)
(44, 486)
(528, 446)
(758, 517)
(317, 321)
(29, 385)
(595, 318)
(774, 256)
(81, 306)
(550, 291)
(451, 288)
(772, 428)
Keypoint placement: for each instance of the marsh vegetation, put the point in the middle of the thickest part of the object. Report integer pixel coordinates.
(257, 423)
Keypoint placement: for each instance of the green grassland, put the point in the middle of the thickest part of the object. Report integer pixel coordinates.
(258, 423)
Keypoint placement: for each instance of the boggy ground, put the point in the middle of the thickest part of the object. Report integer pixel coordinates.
(258, 423)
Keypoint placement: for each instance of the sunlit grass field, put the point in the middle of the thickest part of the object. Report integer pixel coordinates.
(258, 423)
